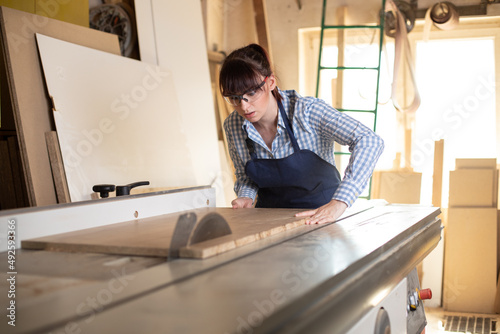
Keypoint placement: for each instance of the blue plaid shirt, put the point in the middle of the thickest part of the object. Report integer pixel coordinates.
(316, 126)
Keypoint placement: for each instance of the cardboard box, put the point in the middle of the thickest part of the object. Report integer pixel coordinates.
(397, 186)
(470, 269)
(473, 188)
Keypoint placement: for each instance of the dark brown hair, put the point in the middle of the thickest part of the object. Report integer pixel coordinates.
(242, 70)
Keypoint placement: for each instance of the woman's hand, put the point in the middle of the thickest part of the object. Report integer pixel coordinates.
(242, 202)
(327, 213)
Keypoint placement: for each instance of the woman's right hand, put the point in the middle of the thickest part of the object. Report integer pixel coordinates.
(242, 202)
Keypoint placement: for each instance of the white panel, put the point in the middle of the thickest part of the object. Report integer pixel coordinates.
(433, 274)
(146, 31)
(180, 47)
(117, 119)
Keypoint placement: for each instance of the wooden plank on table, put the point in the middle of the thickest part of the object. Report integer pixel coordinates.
(57, 166)
(151, 237)
(30, 102)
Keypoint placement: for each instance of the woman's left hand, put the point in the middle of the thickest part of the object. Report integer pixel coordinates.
(327, 213)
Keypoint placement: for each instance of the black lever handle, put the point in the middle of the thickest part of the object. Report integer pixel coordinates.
(125, 190)
(103, 189)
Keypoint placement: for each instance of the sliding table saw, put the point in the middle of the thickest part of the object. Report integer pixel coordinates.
(353, 276)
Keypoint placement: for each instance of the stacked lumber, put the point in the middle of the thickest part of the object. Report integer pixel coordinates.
(470, 270)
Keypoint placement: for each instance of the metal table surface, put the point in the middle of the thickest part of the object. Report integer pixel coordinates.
(314, 279)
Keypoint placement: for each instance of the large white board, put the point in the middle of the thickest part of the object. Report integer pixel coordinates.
(118, 119)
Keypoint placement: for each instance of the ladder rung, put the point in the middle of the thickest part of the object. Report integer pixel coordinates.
(347, 68)
(355, 110)
(352, 27)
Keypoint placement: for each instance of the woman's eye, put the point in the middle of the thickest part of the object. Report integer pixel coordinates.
(251, 93)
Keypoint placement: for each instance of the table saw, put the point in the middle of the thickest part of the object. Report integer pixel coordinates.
(353, 276)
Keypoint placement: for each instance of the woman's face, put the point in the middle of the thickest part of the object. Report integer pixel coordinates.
(255, 110)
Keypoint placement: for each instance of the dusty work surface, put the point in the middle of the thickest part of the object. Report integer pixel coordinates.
(152, 236)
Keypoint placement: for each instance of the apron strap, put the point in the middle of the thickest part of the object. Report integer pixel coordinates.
(251, 148)
(288, 127)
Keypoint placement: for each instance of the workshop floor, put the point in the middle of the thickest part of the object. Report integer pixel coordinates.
(437, 322)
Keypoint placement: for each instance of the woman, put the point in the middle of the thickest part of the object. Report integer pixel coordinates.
(281, 144)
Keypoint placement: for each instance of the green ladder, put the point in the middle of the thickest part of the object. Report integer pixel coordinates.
(380, 27)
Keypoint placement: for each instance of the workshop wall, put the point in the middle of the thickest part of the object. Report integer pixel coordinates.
(231, 24)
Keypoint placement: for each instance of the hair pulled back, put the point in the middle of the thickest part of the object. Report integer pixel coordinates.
(243, 69)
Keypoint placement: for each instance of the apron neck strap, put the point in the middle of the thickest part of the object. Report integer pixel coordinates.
(288, 127)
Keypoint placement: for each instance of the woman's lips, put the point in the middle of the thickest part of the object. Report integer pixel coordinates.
(250, 114)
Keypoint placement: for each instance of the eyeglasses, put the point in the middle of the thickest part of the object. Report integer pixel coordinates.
(249, 96)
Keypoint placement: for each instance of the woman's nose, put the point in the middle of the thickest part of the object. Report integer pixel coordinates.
(244, 104)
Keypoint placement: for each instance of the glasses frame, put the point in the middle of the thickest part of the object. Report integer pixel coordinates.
(241, 97)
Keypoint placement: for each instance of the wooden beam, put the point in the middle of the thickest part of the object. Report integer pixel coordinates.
(223, 114)
(407, 161)
(437, 178)
(57, 167)
(264, 40)
(341, 15)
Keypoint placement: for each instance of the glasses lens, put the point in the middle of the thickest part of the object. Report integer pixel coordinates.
(233, 100)
(253, 95)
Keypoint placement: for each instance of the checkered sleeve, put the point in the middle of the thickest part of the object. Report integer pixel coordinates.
(243, 186)
(364, 144)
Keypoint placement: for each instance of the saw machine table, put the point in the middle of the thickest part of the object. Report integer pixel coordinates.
(353, 276)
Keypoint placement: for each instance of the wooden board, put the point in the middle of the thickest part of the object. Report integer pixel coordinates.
(261, 23)
(7, 191)
(27, 89)
(473, 188)
(437, 177)
(57, 166)
(115, 128)
(151, 237)
(489, 163)
(15, 165)
(470, 271)
(398, 186)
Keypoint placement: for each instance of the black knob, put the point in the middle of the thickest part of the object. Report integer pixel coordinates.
(103, 189)
(125, 190)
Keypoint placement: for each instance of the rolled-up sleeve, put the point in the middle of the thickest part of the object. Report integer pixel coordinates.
(365, 147)
(243, 186)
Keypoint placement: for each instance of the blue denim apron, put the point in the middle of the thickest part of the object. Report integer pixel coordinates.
(301, 180)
